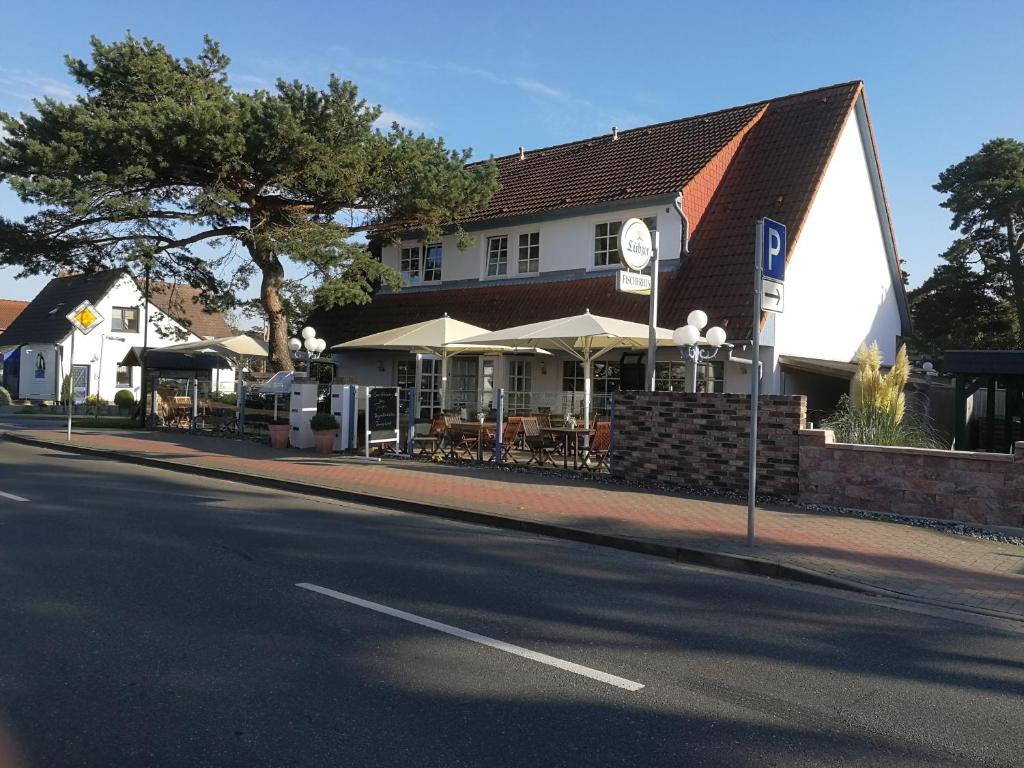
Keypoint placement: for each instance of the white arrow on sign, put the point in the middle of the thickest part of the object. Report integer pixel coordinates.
(772, 295)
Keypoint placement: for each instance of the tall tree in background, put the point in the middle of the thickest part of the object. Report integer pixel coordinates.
(985, 193)
(959, 307)
(159, 155)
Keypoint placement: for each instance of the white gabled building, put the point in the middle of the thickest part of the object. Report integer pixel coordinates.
(544, 247)
(36, 347)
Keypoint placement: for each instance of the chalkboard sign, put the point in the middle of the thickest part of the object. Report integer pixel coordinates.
(382, 413)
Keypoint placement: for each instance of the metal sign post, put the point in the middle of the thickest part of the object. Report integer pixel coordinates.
(498, 436)
(638, 247)
(652, 319)
(71, 382)
(769, 267)
(83, 318)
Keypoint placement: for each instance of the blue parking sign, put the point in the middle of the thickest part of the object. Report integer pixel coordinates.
(772, 242)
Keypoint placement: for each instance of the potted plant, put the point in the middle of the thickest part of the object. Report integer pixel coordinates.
(279, 435)
(325, 432)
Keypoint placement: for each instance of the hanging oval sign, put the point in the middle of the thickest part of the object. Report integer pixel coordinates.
(635, 247)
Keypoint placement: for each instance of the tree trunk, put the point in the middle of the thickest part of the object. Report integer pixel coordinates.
(270, 295)
(1016, 272)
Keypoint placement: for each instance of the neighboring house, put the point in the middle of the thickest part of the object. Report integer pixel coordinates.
(38, 346)
(545, 247)
(10, 309)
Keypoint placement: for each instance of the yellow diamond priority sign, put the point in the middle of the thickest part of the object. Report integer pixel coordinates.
(84, 317)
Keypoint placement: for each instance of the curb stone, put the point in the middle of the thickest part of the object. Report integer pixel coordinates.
(692, 556)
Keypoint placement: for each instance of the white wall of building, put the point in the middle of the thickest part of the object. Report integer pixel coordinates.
(839, 288)
(103, 348)
(565, 244)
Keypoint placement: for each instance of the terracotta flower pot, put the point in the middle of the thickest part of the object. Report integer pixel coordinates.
(279, 435)
(324, 441)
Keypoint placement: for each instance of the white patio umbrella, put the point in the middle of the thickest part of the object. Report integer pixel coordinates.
(437, 337)
(227, 346)
(233, 348)
(586, 337)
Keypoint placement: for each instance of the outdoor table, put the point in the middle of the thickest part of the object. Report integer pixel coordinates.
(480, 428)
(566, 433)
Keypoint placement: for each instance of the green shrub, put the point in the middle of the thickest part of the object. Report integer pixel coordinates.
(323, 422)
(95, 400)
(124, 398)
(5, 397)
(878, 426)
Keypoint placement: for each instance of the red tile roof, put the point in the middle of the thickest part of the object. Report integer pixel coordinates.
(183, 303)
(10, 309)
(765, 159)
(642, 162)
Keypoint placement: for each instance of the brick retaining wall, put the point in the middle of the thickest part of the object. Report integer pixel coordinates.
(986, 488)
(701, 440)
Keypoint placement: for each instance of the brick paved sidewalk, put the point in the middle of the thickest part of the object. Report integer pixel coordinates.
(918, 562)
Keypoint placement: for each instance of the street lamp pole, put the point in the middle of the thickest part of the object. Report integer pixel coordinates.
(687, 338)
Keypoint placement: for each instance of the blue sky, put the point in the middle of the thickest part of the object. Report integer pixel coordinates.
(941, 77)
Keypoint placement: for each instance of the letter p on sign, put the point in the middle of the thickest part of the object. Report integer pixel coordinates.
(773, 249)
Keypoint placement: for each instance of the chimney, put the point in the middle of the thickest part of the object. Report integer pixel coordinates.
(522, 154)
(615, 133)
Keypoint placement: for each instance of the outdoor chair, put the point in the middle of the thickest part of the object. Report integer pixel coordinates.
(541, 448)
(430, 443)
(449, 438)
(519, 441)
(509, 438)
(464, 440)
(600, 445)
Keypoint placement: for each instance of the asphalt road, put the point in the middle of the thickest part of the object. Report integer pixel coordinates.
(149, 618)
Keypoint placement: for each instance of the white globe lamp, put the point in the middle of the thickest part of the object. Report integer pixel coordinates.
(294, 344)
(308, 333)
(698, 319)
(716, 336)
(686, 336)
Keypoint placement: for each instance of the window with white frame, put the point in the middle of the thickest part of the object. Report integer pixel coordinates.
(497, 256)
(430, 388)
(529, 253)
(674, 376)
(606, 243)
(432, 254)
(124, 376)
(520, 386)
(410, 264)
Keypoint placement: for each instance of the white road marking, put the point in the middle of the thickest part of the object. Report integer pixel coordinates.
(543, 658)
(11, 496)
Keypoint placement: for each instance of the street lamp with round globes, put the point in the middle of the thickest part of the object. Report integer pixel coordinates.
(687, 338)
(309, 342)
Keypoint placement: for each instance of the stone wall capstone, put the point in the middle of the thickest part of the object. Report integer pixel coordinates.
(700, 440)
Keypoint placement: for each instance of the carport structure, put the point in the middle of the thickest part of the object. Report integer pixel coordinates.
(1001, 374)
